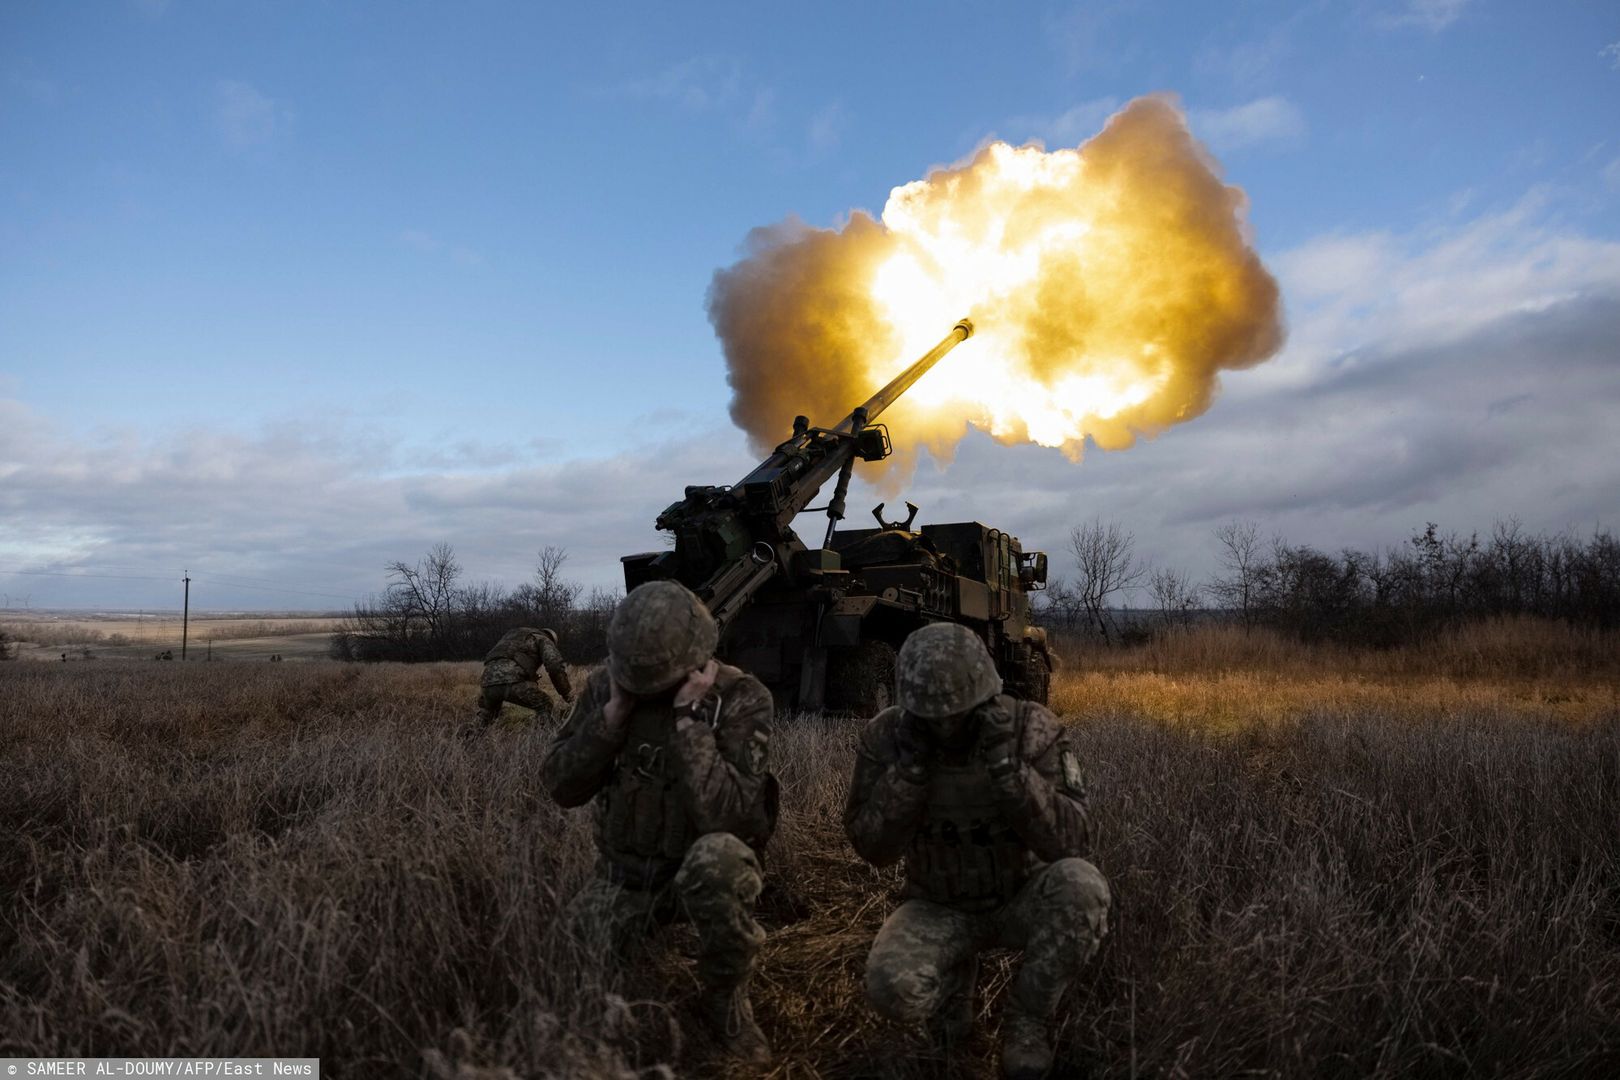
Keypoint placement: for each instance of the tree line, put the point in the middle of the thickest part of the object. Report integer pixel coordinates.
(427, 612)
(1379, 598)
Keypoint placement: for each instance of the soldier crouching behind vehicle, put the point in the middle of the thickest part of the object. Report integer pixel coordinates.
(981, 794)
(672, 746)
(511, 673)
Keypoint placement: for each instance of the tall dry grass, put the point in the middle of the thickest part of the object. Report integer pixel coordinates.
(1219, 677)
(281, 859)
(1491, 650)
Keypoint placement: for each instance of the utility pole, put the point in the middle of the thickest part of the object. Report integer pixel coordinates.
(185, 616)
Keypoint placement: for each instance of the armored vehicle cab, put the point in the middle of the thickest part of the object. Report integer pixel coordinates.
(825, 633)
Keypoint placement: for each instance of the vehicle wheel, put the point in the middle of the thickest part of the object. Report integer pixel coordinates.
(860, 680)
(1031, 681)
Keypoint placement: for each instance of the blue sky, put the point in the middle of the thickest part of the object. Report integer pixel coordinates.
(288, 290)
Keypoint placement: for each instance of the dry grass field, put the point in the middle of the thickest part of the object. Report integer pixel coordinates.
(1325, 864)
(140, 637)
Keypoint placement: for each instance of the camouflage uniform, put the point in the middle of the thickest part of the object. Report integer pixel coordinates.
(680, 819)
(511, 671)
(990, 861)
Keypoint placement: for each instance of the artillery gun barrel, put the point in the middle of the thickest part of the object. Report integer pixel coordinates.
(729, 541)
(903, 381)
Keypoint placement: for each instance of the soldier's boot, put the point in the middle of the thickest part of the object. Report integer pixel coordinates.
(718, 882)
(1026, 1048)
(951, 1026)
(489, 708)
(729, 1014)
(1067, 921)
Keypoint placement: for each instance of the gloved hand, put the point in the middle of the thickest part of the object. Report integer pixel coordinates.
(998, 747)
(914, 750)
(689, 699)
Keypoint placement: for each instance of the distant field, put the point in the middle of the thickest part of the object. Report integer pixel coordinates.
(129, 636)
(1218, 677)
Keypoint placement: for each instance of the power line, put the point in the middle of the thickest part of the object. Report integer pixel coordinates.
(244, 579)
(264, 588)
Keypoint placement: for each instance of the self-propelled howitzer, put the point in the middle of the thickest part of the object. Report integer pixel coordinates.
(816, 630)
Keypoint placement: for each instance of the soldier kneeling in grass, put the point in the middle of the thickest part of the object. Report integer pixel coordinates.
(671, 745)
(511, 673)
(981, 795)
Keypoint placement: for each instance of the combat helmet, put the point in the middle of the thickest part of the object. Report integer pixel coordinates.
(944, 669)
(659, 633)
(548, 632)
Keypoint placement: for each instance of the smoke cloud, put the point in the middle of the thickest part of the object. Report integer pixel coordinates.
(1109, 286)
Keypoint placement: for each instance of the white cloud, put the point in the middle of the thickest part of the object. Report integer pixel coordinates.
(1267, 119)
(245, 117)
(1324, 267)
(1439, 285)
(319, 507)
(1431, 15)
(1611, 52)
(1069, 128)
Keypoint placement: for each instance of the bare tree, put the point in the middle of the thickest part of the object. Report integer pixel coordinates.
(548, 580)
(1103, 556)
(425, 593)
(1243, 562)
(427, 612)
(1174, 594)
(550, 597)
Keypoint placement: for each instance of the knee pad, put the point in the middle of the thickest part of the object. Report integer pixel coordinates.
(1075, 883)
(1075, 888)
(908, 993)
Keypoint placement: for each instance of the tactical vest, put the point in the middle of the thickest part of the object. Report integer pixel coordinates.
(643, 827)
(520, 649)
(966, 854)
